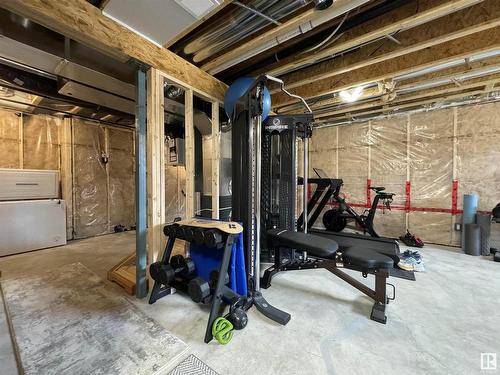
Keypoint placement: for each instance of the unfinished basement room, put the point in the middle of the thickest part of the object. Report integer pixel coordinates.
(246, 187)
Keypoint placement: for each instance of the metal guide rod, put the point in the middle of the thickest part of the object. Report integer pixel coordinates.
(253, 198)
(258, 174)
(306, 177)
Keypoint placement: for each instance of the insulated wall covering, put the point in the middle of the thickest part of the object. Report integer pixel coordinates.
(9, 139)
(102, 193)
(103, 178)
(429, 159)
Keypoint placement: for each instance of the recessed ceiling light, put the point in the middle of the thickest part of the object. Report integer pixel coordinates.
(352, 95)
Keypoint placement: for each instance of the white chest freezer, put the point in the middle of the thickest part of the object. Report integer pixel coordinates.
(17, 184)
(31, 225)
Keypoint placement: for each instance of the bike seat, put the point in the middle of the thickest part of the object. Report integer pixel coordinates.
(377, 189)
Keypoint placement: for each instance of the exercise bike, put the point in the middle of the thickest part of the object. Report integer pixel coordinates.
(336, 219)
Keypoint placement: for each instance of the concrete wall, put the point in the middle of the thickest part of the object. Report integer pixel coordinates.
(431, 151)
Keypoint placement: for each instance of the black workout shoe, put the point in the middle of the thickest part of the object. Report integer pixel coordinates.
(410, 240)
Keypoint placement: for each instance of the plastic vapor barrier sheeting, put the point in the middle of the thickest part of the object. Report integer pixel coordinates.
(9, 139)
(102, 160)
(41, 142)
(429, 159)
(103, 178)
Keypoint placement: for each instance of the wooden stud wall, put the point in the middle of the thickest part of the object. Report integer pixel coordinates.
(215, 159)
(67, 173)
(155, 162)
(189, 139)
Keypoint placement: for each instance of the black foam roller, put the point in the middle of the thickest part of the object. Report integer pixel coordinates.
(484, 222)
(472, 239)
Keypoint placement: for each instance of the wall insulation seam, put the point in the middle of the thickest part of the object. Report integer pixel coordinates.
(21, 141)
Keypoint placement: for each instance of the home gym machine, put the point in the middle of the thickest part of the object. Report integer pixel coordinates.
(264, 199)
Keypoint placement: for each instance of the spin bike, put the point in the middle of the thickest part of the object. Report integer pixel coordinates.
(337, 218)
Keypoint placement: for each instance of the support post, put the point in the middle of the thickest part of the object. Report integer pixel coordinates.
(408, 165)
(155, 166)
(215, 159)
(140, 183)
(454, 182)
(67, 173)
(189, 140)
(21, 141)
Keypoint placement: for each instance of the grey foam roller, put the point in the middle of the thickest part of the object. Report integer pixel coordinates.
(484, 222)
(472, 240)
(469, 213)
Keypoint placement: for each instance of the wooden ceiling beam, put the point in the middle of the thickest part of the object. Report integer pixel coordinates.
(81, 21)
(483, 16)
(474, 67)
(404, 108)
(408, 106)
(375, 29)
(441, 91)
(461, 48)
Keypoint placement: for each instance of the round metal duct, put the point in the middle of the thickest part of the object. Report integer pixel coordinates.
(322, 4)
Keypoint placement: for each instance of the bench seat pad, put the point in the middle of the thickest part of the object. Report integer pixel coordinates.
(315, 246)
(366, 258)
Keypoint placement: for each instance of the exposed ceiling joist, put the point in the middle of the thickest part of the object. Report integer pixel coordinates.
(402, 107)
(296, 26)
(472, 68)
(460, 48)
(79, 20)
(476, 84)
(477, 18)
(375, 29)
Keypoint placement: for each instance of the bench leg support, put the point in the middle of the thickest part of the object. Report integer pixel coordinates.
(378, 313)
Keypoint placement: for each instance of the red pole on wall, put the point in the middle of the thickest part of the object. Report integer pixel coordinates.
(408, 196)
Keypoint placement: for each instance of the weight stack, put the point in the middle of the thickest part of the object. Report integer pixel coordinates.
(472, 239)
(484, 222)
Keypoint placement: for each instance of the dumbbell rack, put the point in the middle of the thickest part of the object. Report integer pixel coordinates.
(221, 294)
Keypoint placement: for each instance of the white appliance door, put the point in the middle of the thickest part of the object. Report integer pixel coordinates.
(31, 225)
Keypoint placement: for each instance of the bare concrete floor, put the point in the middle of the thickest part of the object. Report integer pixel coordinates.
(439, 324)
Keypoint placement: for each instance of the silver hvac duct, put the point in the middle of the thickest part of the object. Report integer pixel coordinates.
(240, 24)
(322, 4)
(322, 17)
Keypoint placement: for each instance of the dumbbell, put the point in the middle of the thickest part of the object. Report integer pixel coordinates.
(212, 238)
(199, 289)
(166, 273)
(180, 232)
(199, 235)
(238, 317)
(169, 230)
(189, 234)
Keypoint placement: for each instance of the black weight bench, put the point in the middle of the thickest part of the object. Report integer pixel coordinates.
(321, 252)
